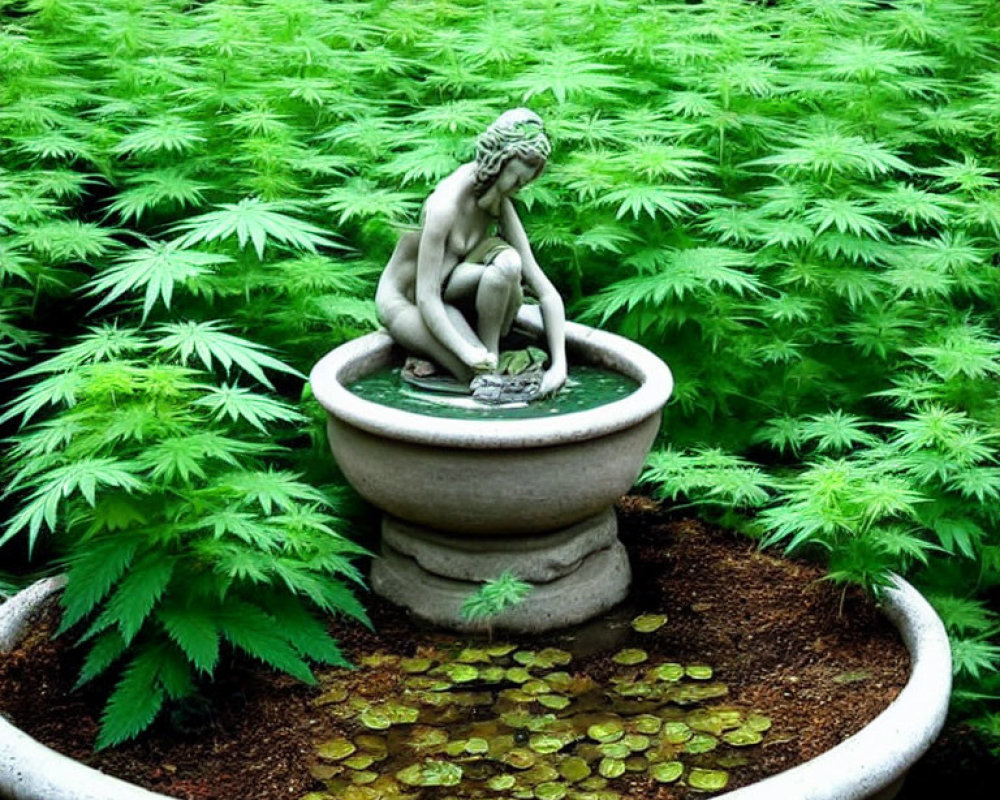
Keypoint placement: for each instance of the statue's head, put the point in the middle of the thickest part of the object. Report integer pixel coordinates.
(516, 134)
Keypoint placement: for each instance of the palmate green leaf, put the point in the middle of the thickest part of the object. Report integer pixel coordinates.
(695, 270)
(106, 649)
(156, 188)
(159, 267)
(59, 389)
(495, 596)
(212, 344)
(974, 656)
(565, 73)
(82, 477)
(136, 700)
(68, 240)
(237, 403)
(963, 615)
(965, 349)
(136, 595)
(830, 152)
(304, 632)
(176, 459)
(835, 432)
(194, 631)
(845, 215)
(92, 573)
(271, 489)
(658, 200)
(255, 632)
(253, 220)
(361, 199)
(104, 342)
(707, 476)
(170, 133)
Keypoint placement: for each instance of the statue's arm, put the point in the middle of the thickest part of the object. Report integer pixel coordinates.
(429, 287)
(551, 304)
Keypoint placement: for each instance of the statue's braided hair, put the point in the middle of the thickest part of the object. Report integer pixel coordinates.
(518, 133)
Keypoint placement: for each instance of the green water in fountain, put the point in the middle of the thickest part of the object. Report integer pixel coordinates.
(587, 387)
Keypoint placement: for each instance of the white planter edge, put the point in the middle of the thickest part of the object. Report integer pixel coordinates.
(863, 766)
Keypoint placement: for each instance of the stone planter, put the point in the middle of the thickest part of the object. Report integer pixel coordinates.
(465, 500)
(868, 766)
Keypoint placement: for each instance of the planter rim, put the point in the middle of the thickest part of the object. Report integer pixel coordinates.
(862, 765)
(655, 385)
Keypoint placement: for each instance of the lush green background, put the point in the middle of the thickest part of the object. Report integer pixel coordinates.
(796, 203)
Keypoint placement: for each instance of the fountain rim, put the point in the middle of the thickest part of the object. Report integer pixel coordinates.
(616, 352)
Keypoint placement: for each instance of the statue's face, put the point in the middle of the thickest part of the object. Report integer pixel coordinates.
(516, 173)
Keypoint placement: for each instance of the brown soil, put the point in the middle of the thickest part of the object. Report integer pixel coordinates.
(820, 665)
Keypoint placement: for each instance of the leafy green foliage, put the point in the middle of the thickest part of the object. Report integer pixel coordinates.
(495, 596)
(797, 204)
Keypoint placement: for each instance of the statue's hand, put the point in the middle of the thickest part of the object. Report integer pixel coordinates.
(552, 381)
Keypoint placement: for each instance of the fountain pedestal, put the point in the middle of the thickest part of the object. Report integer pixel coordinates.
(576, 572)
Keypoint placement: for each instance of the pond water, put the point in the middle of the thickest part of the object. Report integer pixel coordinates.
(587, 387)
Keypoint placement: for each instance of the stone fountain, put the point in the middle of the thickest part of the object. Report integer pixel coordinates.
(466, 499)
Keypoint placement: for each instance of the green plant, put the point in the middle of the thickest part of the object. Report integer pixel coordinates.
(796, 203)
(495, 596)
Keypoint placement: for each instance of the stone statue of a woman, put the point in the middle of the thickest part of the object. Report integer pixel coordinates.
(453, 288)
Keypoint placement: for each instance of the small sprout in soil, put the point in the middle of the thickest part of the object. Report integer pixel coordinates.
(544, 743)
(550, 790)
(362, 761)
(611, 767)
(518, 675)
(425, 737)
(431, 773)
(610, 731)
(574, 769)
(758, 722)
(501, 783)
(676, 733)
(698, 672)
(615, 750)
(336, 695)
(648, 623)
(701, 743)
(646, 724)
(336, 749)
(630, 656)
(668, 671)
(708, 780)
(375, 719)
(666, 771)
(414, 666)
(742, 737)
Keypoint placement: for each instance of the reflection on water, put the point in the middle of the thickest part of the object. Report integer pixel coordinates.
(587, 387)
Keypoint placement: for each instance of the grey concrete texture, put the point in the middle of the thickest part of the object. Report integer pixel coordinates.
(537, 559)
(867, 766)
(494, 491)
(600, 582)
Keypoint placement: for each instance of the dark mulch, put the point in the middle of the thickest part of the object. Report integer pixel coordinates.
(774, 633)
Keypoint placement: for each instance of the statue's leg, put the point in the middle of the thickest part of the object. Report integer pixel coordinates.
(496, 293)
(409, 331)
(463, 282)
(513, 306)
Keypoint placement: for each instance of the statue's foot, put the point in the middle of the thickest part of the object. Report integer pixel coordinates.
(427, 375)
